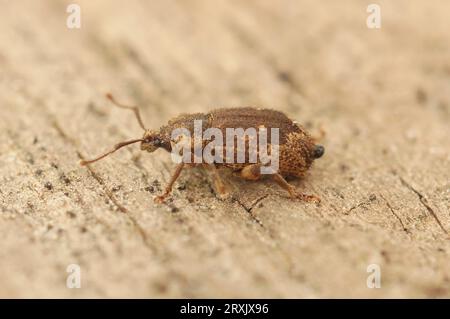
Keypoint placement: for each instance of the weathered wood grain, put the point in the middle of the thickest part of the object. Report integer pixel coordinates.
(383, 97)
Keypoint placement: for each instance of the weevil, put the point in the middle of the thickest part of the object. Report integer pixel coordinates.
(297, 149)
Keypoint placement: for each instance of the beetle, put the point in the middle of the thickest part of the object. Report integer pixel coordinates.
(297, 149)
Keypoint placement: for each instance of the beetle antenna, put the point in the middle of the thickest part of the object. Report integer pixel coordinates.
(115, 148)
(135, 109)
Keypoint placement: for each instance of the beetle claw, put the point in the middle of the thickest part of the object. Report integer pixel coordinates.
(224, 196)
(160, 199)
(307, 198)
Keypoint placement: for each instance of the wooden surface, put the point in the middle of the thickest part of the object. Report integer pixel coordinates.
(383, 96)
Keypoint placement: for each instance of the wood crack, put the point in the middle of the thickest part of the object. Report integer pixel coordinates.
(361, 204)
(249, 209)
(424, 202)
(396, 215)
(100, 181)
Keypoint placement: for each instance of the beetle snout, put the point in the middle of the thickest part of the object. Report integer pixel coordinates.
(318, 151)
(149, 146)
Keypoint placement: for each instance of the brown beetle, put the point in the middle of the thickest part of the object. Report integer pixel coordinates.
(296, 148)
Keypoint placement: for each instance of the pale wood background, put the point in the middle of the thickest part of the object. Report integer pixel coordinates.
(383, 97)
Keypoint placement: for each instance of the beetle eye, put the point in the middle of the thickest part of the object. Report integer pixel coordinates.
(156, 141)
(318, 151)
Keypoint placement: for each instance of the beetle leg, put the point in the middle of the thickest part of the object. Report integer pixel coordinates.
(176, 174)
(292, 191)
(251, 172)
(221, 189)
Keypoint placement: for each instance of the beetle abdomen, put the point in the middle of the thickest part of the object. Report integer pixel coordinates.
(249, 117)
(295, 144)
